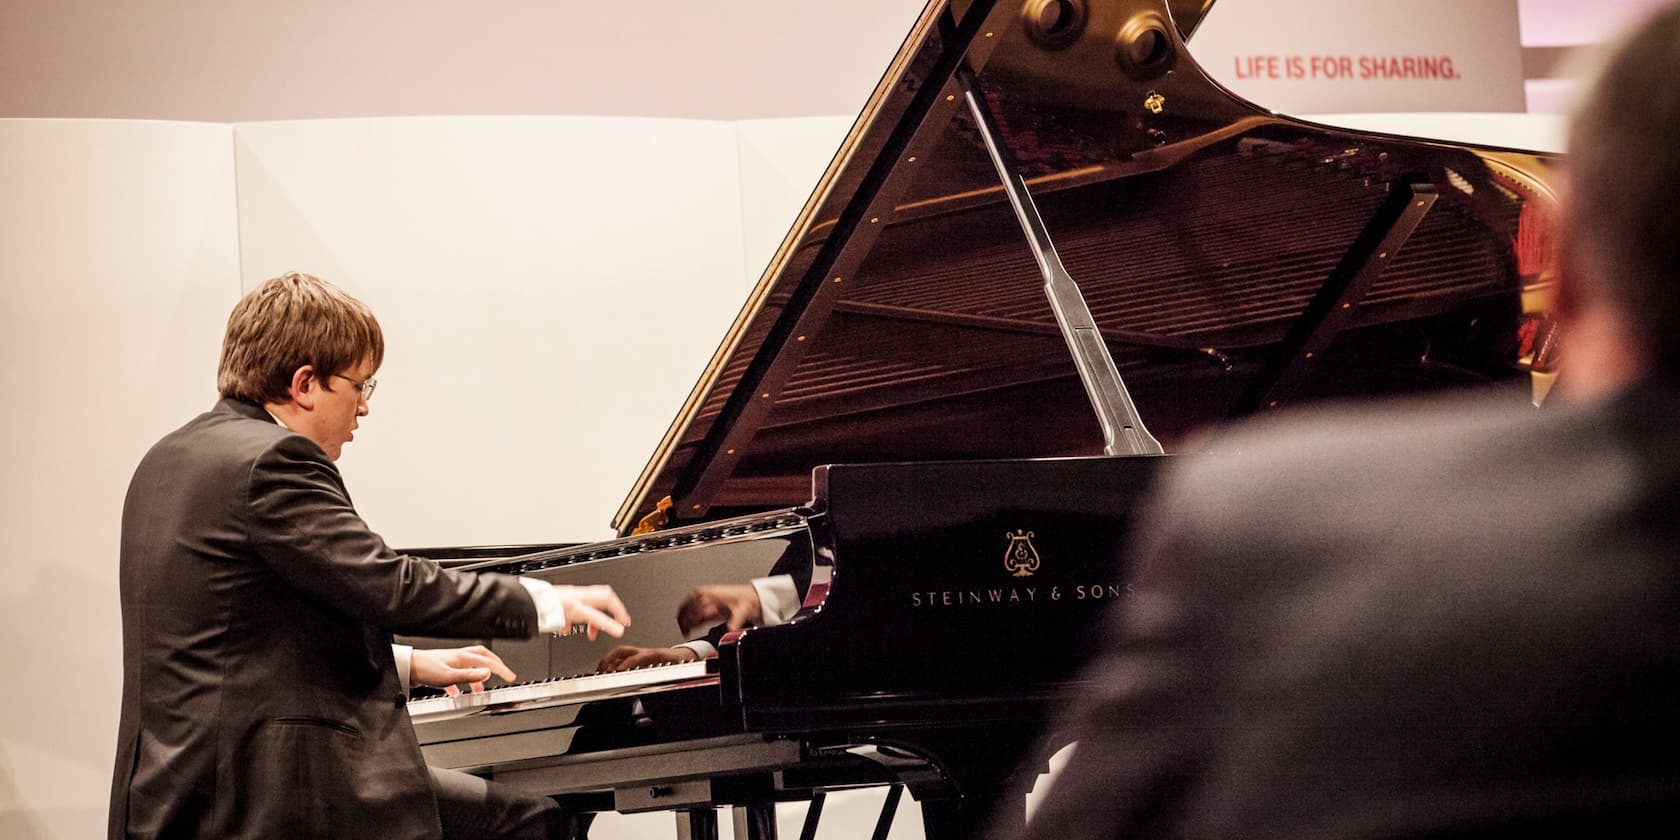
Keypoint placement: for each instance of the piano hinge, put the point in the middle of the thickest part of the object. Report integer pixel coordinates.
(654, 521)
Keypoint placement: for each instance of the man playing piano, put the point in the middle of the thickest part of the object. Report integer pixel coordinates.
(261, 694)
(1448, 620)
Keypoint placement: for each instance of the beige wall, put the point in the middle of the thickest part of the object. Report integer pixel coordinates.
(550, 289)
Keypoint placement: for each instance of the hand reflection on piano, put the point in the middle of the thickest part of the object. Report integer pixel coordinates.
(736, 606)
(730, 607)
(629, 657)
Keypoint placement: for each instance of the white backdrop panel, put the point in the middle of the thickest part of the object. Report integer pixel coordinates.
(781, 162)
(550, 289)
(119, 249)
(1533, 132)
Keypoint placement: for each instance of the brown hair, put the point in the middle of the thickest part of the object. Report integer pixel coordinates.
(290, 321)
(1624, 168)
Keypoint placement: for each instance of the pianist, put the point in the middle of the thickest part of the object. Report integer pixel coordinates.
(261, 694)
(1445, 620)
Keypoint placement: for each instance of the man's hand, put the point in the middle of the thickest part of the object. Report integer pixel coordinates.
(597, 608)
(736, 604)
(449, 667)
(625, 657)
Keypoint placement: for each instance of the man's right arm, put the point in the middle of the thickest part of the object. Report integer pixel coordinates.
(301, 522)
(561, 608)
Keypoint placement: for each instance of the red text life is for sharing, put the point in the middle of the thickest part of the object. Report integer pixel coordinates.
(1347, 67)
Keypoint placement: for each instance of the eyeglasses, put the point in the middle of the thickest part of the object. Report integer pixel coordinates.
(366, 386)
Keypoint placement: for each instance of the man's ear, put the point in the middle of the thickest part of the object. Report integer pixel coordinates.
(304, 387)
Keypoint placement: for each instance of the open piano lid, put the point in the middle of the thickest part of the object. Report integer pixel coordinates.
(1235, 260)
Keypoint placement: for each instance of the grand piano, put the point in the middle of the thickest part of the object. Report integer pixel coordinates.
(1048, 227)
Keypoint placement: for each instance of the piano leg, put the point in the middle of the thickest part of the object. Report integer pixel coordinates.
(697, 824)
(889, 809)
(949, 818)
(755, 822)
(813, 813)
(942, 819)
(976, 793)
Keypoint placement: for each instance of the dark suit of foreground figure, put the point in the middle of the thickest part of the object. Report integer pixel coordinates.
(1475, 628)
(1450, 619)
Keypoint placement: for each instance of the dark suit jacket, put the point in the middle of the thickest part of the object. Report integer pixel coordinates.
(1453, 620)
(259, 694)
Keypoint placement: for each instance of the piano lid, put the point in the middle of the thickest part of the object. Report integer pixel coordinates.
(1235, 260)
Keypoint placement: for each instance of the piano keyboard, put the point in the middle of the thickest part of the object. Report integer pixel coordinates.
(553, 692)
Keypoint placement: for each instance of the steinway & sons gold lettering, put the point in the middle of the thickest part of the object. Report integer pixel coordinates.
(1018, 595)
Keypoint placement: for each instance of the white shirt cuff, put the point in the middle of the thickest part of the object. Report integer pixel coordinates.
(778, 599)
(702, 648)
(551, 608)
(405, 663)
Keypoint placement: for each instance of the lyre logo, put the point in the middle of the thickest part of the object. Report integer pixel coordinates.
(1020, 557)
